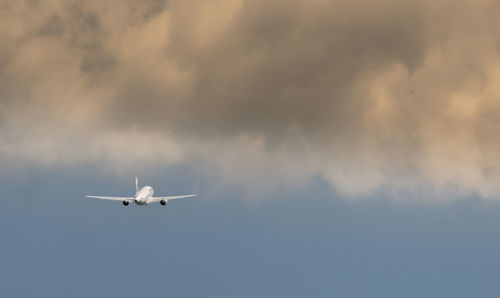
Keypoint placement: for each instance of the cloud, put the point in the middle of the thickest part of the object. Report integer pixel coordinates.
(392, 97)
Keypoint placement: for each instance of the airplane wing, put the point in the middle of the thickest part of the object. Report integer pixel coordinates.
(128, 199)
(157, 199)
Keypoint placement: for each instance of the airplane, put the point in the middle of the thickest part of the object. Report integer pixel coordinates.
(144, 196)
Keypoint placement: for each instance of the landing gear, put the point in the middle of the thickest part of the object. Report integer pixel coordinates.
(163, 202)
(125, 203)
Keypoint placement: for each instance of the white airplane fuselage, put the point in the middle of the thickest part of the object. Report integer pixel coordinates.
(144, 195)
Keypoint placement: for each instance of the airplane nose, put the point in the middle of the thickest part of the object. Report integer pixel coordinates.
(139, 201)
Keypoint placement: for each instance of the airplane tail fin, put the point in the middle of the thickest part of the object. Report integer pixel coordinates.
(136, 185)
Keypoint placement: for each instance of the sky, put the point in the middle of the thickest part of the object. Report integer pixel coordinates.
(338, 148)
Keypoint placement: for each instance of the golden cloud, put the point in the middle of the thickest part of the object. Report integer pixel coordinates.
(392, 96)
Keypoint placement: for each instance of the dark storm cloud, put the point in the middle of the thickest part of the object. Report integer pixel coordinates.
(275, 66)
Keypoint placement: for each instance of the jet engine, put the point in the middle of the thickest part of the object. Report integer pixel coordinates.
(163, 202)
(125, 203)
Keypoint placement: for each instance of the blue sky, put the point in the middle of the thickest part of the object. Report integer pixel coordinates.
(55, 243)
